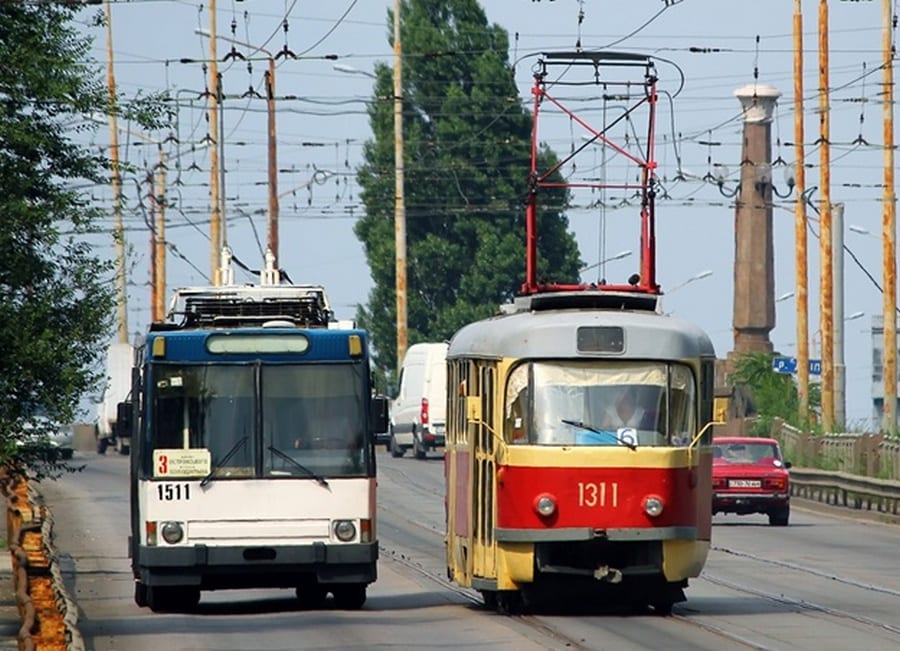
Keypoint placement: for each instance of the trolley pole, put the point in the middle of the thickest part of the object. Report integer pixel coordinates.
(800, 233)
(212, 90)
(889, 236)
(399, 201)
(273, 163)
(160, 245)
(825, 237)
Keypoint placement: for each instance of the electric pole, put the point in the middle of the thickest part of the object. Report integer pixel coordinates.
(825, 236)
(800, 236)
(889, 236)
(399, 201)
(118, 230)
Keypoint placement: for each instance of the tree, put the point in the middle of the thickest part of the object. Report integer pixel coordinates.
(774, 394)
(466, 161)
(56, 297)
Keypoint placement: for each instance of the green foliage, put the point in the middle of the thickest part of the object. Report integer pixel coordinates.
(466, 161)
(56, 299)
(774, 394)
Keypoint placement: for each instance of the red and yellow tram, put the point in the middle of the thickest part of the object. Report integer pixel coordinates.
(545, 496)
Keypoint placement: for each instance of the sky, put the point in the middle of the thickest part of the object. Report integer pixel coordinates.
(716, 45)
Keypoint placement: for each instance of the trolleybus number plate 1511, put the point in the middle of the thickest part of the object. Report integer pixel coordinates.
(173, 492)
(600, 494)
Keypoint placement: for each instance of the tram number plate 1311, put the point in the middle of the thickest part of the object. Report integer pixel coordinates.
(598, 494)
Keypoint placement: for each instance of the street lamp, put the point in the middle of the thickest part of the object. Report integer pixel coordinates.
(703, 274)
(784, 297)
(763, 180)
(617, 256)
(350, 70)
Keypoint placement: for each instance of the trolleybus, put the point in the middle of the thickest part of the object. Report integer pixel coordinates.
(252, 462)
(556, 486)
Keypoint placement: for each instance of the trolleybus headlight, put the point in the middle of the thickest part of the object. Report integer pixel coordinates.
(172, 532)
(345, 530)
(653, 506)
(545, 505)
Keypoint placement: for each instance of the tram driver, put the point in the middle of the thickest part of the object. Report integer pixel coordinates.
(626, 412)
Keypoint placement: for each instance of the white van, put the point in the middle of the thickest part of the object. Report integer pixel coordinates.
(417, 413)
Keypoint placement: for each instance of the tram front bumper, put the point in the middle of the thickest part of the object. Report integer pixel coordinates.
(262, 566)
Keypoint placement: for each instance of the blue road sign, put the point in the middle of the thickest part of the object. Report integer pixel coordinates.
(785, 364)
(815, 367)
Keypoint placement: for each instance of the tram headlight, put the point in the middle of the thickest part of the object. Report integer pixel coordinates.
(653, 505)
(344, 530)
(545, 505)
(172, 532)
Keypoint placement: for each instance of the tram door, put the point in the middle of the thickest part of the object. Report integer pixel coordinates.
(483, 437)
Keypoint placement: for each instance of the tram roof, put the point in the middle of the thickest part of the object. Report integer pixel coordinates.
(548, 332)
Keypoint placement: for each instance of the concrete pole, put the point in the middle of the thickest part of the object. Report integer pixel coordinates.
(840, 384)
(889, 231)
(754, 264)
(215, 220)
(118, 229)
(826, 282)
(800, 232)
(273, 164)
(399, 201)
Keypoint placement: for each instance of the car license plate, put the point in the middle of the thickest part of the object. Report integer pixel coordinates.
(744, 483)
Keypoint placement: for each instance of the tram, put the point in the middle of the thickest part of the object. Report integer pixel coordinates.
(252, 461)
(578, 460)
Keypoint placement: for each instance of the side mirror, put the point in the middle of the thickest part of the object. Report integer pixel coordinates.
(379, 414)
(123, 420)
(787, 464)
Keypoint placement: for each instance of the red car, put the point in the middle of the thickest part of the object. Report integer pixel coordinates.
(749, 476)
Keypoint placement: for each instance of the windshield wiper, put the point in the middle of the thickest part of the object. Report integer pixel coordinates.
(291, 460)
(237, 446)
(580, 425)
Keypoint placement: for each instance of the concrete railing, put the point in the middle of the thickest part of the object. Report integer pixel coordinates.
(49, 616)
(846, 490)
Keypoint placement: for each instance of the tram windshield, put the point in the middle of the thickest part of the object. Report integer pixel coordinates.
(232, 421)
(632, 403)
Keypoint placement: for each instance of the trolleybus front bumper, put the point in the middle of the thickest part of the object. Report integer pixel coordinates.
(256, 567)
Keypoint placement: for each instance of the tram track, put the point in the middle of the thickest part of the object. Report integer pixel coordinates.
(803, 607)
(474, 598)
(831, 576)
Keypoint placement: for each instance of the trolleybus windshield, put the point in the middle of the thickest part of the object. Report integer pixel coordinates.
(638, 403)
(226, 421)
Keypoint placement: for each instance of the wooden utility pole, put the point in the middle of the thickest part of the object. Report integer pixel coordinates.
(159, 308)
(800, 237)
(889, 231)
(118, 230)
(399, 201)
(215, 222)
(826, 282)
(273, 163)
